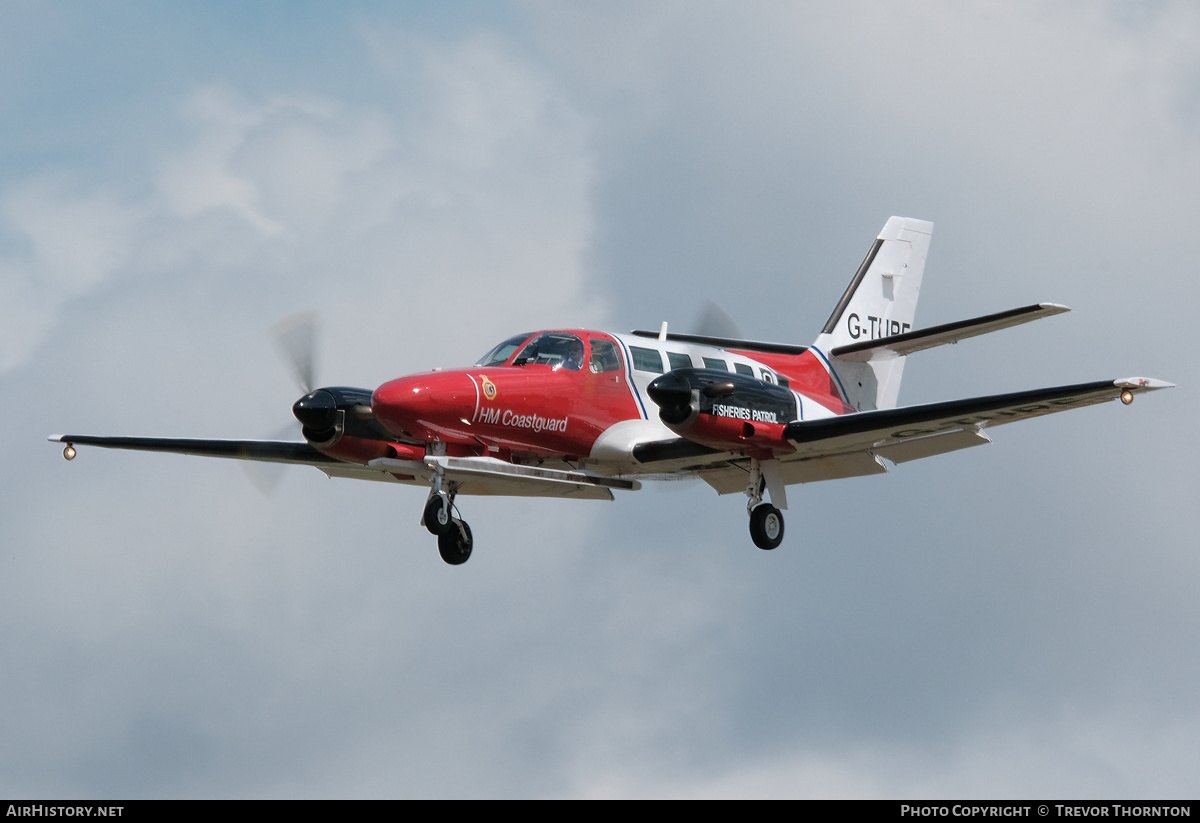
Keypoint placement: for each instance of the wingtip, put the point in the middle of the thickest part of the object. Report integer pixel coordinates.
(57, 438)
(1143, 383)
(1054, 308)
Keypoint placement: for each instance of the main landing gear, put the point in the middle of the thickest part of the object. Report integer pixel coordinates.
(766, 526)
(453, 534)
(766, 521)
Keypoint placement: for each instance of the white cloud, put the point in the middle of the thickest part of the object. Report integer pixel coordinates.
(66, 243)
(313, 190)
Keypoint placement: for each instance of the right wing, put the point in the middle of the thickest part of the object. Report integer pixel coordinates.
(471, 475)
(270, 451)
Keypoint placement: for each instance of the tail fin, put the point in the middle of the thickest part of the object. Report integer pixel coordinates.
(880, 301)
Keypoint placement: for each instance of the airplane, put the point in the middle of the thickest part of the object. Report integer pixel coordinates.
(576, 413)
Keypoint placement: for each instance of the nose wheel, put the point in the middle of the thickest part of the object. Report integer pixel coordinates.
(453, 535)
(454, 545)
(437, 517)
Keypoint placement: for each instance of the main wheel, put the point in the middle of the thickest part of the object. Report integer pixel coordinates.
(766, 526)
(455, 545)
(437, 515)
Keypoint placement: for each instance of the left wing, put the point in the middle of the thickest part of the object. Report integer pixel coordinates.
(853, 445)
(912, 432)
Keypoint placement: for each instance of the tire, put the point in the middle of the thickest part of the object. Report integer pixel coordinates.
(766, 527)
(455, 545)
(437, 515)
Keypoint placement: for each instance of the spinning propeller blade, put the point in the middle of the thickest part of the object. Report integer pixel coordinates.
(297, 338)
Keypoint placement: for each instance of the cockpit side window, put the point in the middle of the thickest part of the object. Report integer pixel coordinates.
(605, 356)
(556, 349)
(499, 355)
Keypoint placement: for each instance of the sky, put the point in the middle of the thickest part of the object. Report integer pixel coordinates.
(1013, 621)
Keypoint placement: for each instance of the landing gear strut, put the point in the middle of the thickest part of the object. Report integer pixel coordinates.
(453, 535)
(766, 521)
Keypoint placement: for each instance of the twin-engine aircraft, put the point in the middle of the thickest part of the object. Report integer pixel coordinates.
(579, 413)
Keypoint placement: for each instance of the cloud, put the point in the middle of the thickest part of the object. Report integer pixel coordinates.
(310, 189)
(64, 243)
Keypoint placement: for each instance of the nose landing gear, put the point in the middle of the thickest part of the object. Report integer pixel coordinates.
(453, 535)
(437, 517)
(454, 545)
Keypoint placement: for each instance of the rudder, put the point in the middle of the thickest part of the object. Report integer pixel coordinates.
(881, 301)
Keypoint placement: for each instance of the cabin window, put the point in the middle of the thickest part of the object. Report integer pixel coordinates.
(605, 356)
(646, 359)
(742, 368)
(679, 360)
(714, 363)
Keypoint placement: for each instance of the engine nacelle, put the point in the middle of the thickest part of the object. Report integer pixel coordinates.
(730, 412)
(330, 413)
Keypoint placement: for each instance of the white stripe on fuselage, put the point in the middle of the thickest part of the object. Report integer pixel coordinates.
(615, 445)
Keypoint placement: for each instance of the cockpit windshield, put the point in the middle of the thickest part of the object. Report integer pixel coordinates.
(557, 349)
(499, 355)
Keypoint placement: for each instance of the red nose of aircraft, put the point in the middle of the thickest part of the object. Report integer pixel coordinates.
(434, 406)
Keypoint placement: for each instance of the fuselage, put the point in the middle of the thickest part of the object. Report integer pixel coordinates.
(582, 395)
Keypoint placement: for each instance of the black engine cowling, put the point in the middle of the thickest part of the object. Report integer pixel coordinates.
(725, 410)
(331, 412)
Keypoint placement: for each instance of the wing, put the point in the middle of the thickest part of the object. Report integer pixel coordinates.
(909, 433)
(470, 475)
(854, 445)
(270, 451)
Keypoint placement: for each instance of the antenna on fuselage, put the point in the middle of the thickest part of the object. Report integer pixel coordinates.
(662, 331)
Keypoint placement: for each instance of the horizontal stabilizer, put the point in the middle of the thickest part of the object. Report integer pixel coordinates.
(901, 344)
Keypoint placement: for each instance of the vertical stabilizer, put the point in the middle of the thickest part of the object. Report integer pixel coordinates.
(880, 301)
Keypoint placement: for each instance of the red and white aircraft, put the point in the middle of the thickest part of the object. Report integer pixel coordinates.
(578, 413)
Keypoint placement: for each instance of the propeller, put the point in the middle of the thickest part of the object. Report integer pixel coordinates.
(266, 476)
(714, 321)
(297, 339)
(325, 414)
